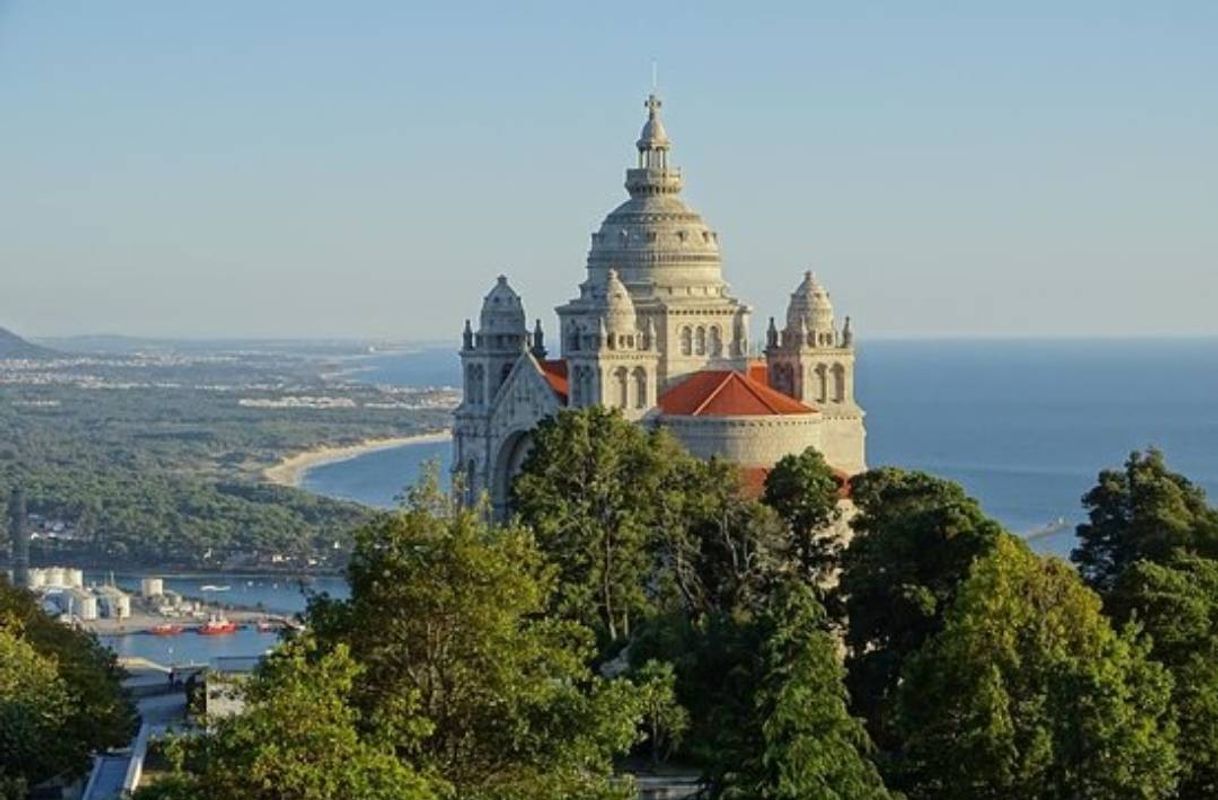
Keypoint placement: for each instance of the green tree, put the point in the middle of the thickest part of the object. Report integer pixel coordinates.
(590, 488)
(664, 718)
(714, 550)
(804, 491)
(800, 740)
(915, 538)
(33, 703)
(296, 740)
(1177, 604)
(1144, 511)
(1028, 692)
(471, 679)
(715, 658)
(98, 714)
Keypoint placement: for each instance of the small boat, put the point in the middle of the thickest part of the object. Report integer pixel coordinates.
(217, 626)
(266, 626)
(165, 629)
(210, 588)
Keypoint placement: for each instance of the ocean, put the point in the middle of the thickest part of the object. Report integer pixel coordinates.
(1023, 425)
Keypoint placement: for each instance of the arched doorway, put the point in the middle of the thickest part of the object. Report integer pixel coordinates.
(509, 457)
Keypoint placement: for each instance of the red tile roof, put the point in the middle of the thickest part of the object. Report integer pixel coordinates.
(726, 393)
(555, 373)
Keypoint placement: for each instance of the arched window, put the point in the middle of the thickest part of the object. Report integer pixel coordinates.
(687, 341)
(640, 387)
(474, 390)
(839, 383)
(821, 378)
(589, 388)
(716, 341)
(776, 377)
(782, 378)
(583, 386)
(700, 341)
(619, 378)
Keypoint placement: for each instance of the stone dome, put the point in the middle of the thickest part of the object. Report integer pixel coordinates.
(502, 311)
(654, 239)
(810, 306)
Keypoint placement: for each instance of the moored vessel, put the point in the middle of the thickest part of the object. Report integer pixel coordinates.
(217, 626)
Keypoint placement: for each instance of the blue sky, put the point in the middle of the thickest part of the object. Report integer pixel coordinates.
(366, 168)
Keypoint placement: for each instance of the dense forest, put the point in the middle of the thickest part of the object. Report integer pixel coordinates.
(642, 613)
(171, 475)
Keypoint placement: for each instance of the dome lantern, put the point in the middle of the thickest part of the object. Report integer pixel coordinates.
(653, 141)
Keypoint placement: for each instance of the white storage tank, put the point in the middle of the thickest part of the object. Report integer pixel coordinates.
(113, 604)
(83, 605)
(151, 587)
(37, 579)
(74, 578)
(54, 576)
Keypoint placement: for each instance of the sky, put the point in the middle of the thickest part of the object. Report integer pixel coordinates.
(365, 169)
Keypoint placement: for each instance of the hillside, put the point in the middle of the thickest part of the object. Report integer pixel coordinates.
(13, 346)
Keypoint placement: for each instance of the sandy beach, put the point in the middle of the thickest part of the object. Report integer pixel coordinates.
(289, 471)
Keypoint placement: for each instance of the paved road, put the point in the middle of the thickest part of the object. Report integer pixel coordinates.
(109, 780)
(160, 706)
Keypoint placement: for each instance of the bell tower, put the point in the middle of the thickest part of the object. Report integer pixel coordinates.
(487, 358)
(810, 359)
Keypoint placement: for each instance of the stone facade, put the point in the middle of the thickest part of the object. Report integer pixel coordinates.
(656, 332)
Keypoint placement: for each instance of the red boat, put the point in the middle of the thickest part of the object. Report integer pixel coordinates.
(165, 629)
(217, 626)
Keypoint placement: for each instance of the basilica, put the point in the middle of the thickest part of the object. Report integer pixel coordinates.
(655, 332)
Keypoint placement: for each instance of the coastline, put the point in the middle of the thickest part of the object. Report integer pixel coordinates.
(290, 471)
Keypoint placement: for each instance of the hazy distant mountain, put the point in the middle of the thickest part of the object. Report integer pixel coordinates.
(13, 346)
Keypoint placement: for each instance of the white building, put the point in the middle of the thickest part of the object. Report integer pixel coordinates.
(656, 332)
(81, 603)
(113, 603)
